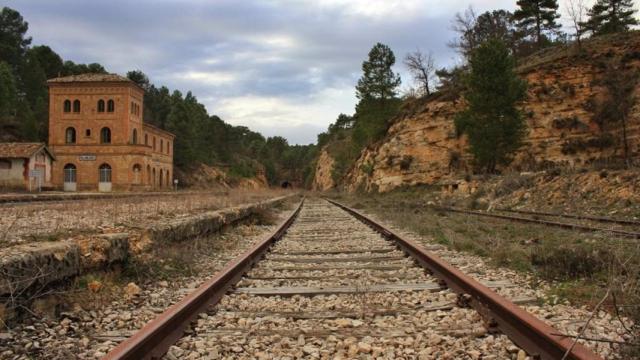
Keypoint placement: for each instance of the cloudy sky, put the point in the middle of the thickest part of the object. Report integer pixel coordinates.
(285, 67)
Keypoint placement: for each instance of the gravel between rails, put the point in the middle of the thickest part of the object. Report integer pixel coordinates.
(361, 323)
(91, 333)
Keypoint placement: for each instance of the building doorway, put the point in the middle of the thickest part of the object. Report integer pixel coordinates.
(69, 173)
(104, 183)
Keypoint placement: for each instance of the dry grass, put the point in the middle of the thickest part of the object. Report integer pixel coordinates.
(581, 267)
(26, 222)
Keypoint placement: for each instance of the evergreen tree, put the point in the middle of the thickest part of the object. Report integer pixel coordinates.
(610, 16)
(494, 125)
(8, 93)
(34, 79)
(49, 60)
(139, 78)
(378, 81)
(535, 17)
(13, 43)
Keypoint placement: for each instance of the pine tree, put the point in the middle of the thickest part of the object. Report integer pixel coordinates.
(378, 81)
(8, 93)
(610, 16)
(494, 125)
(13, 43)
(535, 17)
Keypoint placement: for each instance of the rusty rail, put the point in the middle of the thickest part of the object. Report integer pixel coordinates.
(528, 332)
(572, 216)
(155, 338)
(531, 334)
(623, 233)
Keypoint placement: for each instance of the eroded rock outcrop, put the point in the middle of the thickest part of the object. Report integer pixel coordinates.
(323, 180)
(421, 147)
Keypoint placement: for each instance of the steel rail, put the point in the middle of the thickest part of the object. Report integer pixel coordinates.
(530, 333)
(571, 216)
(623, 233)
(155, 338)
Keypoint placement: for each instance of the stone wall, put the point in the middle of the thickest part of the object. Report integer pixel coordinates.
(27, 269)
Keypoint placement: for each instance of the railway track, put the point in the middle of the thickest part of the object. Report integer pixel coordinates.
(331, 283)
(534, 218)
(600, 219)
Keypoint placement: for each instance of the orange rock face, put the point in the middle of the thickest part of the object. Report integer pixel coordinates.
(323, 180)
(421, 147)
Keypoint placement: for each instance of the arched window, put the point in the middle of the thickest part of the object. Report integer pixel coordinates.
(132, 107)
(134, 136)
(160, 182)
(146, 139)
(100, 105)
(111, 106)
(67, 106)
(105, 173)
(69, 173)
(137, 174)
(70, 136)
(148, 175)
(161, 145)
(76, 106)
(168, 147)
(154, 143)
(105, 136)
(154, 177)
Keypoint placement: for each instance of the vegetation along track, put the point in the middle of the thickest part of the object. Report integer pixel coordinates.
(535, 218)
(331, 283)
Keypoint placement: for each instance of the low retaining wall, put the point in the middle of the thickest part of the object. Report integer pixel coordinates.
(201, 224)
(66, 196)
(26, 269)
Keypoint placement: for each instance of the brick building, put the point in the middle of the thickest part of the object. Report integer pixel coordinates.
(99, 139)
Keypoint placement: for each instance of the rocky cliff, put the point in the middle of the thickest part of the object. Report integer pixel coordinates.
(323, 180)
(564, 89)
(211, 177)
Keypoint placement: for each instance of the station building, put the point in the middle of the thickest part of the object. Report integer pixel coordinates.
(99, 139)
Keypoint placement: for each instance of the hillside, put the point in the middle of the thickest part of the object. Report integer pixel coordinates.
(564, 90)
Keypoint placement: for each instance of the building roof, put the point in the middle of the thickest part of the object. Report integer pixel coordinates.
(16, 150)
(90, 77)
(157, 129)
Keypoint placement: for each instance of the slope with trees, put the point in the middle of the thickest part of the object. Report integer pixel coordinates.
(378, 102)
(200, 138)
(579, 110)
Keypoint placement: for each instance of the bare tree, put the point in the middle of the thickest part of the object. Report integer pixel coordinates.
(422, 67)
(616, 108)
(463, 24)
(577, 10)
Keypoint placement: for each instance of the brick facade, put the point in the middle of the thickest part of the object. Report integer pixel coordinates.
(99, 139)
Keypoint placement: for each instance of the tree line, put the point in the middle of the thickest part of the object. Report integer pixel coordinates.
(200, 138)
(490, 44)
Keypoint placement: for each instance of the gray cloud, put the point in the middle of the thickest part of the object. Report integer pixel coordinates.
(280, 67)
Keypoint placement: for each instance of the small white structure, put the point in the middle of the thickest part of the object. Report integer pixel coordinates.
(25, 166)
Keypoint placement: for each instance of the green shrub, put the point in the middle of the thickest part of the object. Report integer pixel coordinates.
(567, 263)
